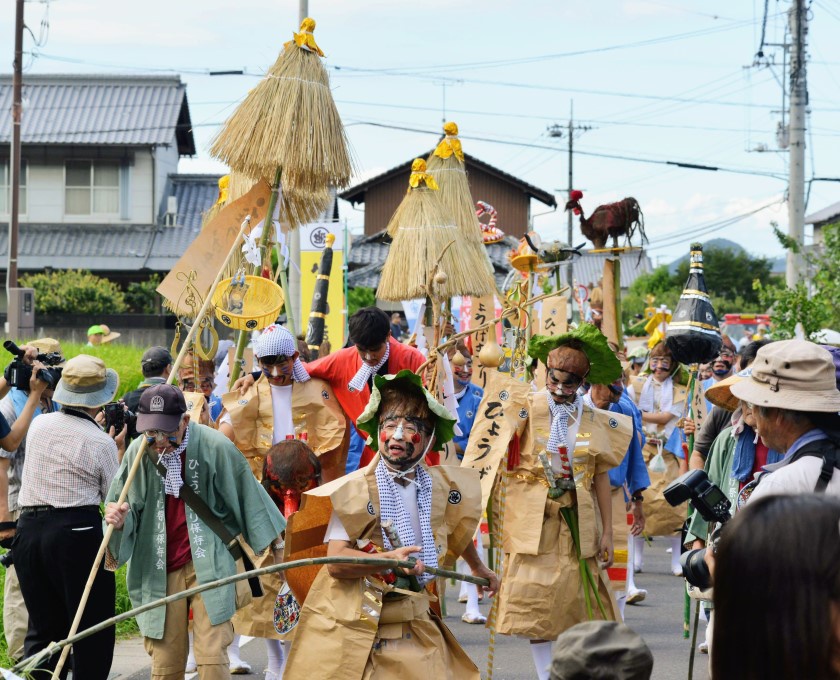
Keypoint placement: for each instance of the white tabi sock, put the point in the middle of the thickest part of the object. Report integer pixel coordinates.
(676, 548)
(541, 651)
(233, 651)
(621, 601)
(631, 561)
(639, 552)
(276, 656)
(191, 653)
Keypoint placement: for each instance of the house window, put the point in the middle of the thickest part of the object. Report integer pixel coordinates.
(6, 188)
(91, 188)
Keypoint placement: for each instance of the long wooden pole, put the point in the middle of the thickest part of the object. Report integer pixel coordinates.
(30, 664)
(173, 375)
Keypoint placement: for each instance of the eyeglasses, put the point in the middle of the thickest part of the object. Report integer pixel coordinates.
(410, 426)
(160, 437)
(189, 385)
(274, 359)
(660, 363)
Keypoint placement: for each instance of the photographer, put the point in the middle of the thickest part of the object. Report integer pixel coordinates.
(19, 408)
(70, 463)
(777, 591)
(156, 365)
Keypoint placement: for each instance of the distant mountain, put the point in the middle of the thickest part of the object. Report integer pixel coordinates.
(716, 243)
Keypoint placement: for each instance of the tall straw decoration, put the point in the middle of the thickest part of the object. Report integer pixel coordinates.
(423, 232)
(289, 122)
(447, 166)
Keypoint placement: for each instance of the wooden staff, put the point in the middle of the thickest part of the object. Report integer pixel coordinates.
(173, 375)
(31, 663)
(490, 324)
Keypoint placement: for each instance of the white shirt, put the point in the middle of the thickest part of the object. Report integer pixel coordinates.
(796, 478)
(337, 532)
(281, 406)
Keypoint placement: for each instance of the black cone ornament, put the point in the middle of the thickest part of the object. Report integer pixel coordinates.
(693, 336)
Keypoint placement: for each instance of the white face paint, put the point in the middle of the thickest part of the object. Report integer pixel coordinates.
(368, 356)
(398, 433)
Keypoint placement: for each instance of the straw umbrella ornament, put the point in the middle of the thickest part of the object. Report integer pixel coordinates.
(289, 123)
(447, 165)
(426, 244)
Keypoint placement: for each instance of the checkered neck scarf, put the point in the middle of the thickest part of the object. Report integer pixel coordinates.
(173, 482)
(277, 341)
(559, 435)
(391, 507)
(357, 384)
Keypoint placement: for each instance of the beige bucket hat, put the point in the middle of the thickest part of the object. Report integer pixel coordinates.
(795, 375)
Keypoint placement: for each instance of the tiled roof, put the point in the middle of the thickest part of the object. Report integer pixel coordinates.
(118, 247)
(356, 194)
(830, 213)
(100, 109)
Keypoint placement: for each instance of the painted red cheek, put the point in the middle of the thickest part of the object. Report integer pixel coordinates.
(415, 438)
(383, 437)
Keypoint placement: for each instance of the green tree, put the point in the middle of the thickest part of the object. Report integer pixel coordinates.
(74, 291)
(729, 278)
(813, 304)
(142, 296)
(360, 297)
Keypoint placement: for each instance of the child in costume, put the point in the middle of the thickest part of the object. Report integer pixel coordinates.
(354, 621)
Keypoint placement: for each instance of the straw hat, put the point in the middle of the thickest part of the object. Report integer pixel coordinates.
(720, 394)
(86, 383)
(795, 375)
(47, 346)
(103, 330)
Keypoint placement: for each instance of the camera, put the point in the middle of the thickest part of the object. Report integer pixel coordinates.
(713, 505)
(18, 373)
(117, 416)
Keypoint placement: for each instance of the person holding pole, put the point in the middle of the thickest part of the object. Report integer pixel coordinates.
(192, 493)
(356, 622)
(70, 463)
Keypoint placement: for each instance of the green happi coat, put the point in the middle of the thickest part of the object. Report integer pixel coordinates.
(218, 473)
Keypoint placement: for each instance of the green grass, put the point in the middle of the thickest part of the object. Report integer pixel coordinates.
(124, 359)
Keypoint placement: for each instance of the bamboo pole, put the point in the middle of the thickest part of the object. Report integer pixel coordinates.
(30, 664)
(173, 375)
(268, 223)
(490, 324)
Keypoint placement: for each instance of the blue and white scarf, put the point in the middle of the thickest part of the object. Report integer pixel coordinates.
(559, 435)
(173, 481)
(357, 384)
(391, 507)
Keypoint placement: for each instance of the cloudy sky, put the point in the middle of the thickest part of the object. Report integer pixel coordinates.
(654, 80)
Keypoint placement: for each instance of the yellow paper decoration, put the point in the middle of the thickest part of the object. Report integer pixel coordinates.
(450, 144)
(419, 174)
(305, 39)
(224, 189)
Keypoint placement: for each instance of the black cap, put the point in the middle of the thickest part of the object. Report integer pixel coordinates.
(156, 355)
(160, 408)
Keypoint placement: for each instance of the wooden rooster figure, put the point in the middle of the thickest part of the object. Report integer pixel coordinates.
(610, 220)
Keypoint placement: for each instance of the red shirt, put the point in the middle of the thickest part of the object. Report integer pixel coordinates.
(761, 452)
(178, 551)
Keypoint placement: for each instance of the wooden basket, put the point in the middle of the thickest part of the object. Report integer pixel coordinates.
(260, 306)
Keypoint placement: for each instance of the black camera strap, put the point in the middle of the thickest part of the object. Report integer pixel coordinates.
(196, 502)
(827, 450)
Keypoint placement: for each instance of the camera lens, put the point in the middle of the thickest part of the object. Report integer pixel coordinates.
(694, 568)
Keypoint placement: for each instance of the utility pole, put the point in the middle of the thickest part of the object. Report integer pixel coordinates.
(294, 292)
(13, 330)
(569, 132)
(798, 22)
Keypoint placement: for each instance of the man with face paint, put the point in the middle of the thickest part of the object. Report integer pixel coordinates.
(199, 375)
(350, 371)
(662, 401)
(256, 421)
(168, 548)
(468, 395)
(357, 622)
(542, 593)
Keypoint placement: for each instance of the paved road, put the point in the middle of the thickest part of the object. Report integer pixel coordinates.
(658, 619)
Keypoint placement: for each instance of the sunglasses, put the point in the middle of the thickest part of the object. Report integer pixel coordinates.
(274, 359)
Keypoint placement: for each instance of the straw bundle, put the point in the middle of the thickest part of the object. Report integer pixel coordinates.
(289, 121)
(296, 206)
(446, 164)
(423, 238)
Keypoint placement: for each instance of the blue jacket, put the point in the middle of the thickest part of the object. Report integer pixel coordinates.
(632, 469)
(467, 410)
